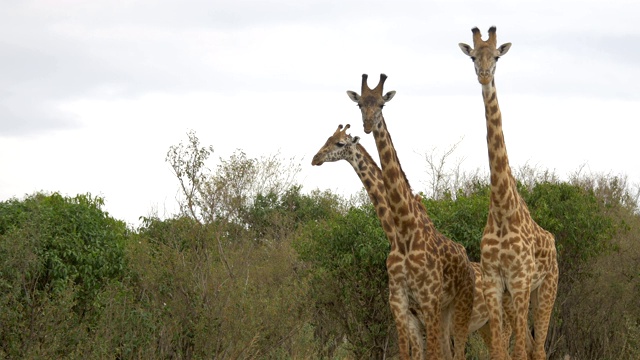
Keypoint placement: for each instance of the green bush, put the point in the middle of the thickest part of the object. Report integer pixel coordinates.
(577, 219)
(256, 307)
(290, 275)
(349, 284)
(73, 239)
(462, 219)
(272, 216)
(56, 255)
(596, 233)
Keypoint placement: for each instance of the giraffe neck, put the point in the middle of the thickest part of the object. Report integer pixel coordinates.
(371, 177)
(503, 187)
(397, 186)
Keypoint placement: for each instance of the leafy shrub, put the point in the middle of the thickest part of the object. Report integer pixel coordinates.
(201, 308)
(73, 239)
(271, 216)
(56, 255)
(462, 219)
(596, 232)
(576, 217)
(349, 284)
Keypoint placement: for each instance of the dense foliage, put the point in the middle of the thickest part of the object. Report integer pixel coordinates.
(462, 218)
(349, 280)
(56, 254)
(257, 269)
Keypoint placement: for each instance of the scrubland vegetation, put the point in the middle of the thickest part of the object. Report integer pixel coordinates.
(253, 267)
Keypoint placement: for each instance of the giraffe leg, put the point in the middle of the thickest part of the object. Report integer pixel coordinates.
(434, 336)
(446, 332)
(416, 336)
(493, 292)
(431, 312)
(401, 321)
(463, 307)
(485, 334)
(399, 303)
(542, 300)
(508, 322)
(520, 298)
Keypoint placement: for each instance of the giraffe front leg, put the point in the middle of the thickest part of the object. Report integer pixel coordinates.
(416, 334)
(521, 307)
(431, 311)
(508, 322)
(399, 304)
(434, 336)
(493, 292)
(542, 300)
(403, 328)
(445, 320)
(463, 307)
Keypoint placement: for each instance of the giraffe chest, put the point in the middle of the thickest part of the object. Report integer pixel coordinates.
(519, 252)
(507, 247)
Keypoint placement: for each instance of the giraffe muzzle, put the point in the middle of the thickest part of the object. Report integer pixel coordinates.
(368, 126)
(316, 161)
(484, 80)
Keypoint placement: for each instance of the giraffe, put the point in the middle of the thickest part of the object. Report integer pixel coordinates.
(342, 146)
(517, 255)
(439, 276)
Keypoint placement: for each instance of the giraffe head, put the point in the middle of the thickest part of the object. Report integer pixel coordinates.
(484, 54)
(371, 102)
(340, 146)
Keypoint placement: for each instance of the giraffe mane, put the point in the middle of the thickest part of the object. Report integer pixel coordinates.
(369, 158)
(404, 176)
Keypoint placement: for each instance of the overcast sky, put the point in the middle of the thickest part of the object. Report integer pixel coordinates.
(93, 93)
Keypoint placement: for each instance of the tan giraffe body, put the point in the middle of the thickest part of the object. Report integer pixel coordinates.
(438, 273)
(517, 255)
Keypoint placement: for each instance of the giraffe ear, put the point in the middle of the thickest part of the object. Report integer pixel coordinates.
(356, 139)
(503, 49)
(388, 96)
(466, 49)
(353, 95)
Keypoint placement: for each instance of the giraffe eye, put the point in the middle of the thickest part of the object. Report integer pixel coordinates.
(497, 57)
(341, 144)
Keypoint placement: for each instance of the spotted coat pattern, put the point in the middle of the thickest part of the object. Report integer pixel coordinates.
(518, 257)
(437, 271)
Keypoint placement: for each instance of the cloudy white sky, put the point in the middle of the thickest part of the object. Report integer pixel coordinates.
(93, 93)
